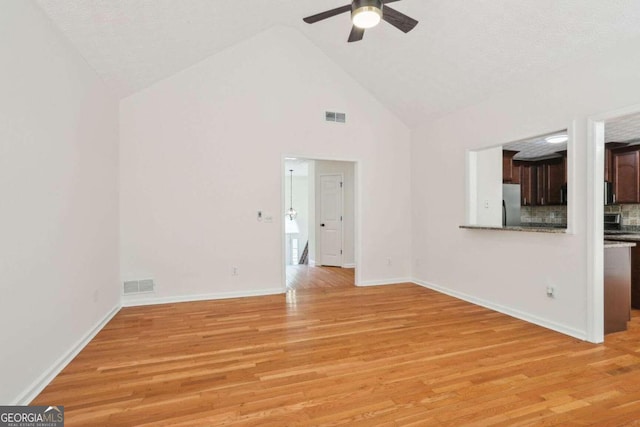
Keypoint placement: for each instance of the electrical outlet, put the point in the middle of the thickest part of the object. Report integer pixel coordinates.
(259, 215)
(268, 217)
(234, 271)
(388, 261)
(551, 293)
(486, 204)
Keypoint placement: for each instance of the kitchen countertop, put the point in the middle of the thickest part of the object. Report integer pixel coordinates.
(631, 237)
(554, 230)
(618, 244)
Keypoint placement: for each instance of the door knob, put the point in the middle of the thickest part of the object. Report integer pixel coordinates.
(321, 225)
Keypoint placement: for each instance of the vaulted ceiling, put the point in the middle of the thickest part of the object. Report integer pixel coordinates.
(460, 52)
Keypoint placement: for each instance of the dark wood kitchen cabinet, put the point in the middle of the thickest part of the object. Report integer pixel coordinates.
(528, 184)
(564, 168)
(551, 177)
(609, 148)
(617, 289)
(541, 181)
(510, 169)
(540, 194)
(608, 167)
(626, 174)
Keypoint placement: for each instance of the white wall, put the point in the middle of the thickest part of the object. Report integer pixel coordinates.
(202, 151)
(510, 270)
(347, 169)
(485, 192)
(58, 180)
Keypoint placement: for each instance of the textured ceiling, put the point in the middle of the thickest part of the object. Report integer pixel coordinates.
(536, 147)
(462, 50)
(623, 129)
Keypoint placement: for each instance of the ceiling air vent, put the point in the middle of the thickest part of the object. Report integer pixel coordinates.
(332, 116)
(143, 286)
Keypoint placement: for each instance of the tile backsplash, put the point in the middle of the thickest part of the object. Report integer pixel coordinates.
(543, 214)
(630, 213)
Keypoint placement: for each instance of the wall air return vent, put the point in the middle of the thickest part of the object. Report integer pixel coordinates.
(143, 286)
(332, 116)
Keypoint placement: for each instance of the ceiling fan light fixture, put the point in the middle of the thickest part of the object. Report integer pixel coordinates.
(366, 13)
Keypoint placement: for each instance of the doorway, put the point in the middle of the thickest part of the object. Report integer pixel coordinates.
(319, 213)
(330, 202)
(611, 135)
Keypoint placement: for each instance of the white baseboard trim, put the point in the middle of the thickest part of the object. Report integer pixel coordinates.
(384, 282)
(312, 263)
(350, 265)
(201, 297)
(43, 380)
(527, 317)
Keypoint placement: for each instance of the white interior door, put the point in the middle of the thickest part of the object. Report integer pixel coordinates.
(331, 220)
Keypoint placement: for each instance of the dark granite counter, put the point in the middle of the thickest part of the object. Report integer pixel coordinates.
(542, 225)
(555, 230)
(632, 237)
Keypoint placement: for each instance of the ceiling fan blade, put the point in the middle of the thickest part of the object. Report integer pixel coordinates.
(328, 14)
(356, 34)
(398, 20)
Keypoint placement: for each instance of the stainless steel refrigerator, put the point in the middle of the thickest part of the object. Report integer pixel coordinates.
(510, 205)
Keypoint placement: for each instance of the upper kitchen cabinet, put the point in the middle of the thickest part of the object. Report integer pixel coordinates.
(608, 158)
(542, 181)
(528, 183)
(551, 178)
(510, 169)
(608, 164)
(625, 165)
(565, 168)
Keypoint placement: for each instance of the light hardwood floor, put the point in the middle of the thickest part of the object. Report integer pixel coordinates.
(397, 355)
(306, 277)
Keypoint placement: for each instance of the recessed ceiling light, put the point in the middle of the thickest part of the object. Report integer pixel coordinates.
(557, 139)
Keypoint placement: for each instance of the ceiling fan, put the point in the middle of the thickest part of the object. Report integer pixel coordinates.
(367, 14)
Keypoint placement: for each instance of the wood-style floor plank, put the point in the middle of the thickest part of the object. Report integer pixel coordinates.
(397, 355)
(305, 277)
